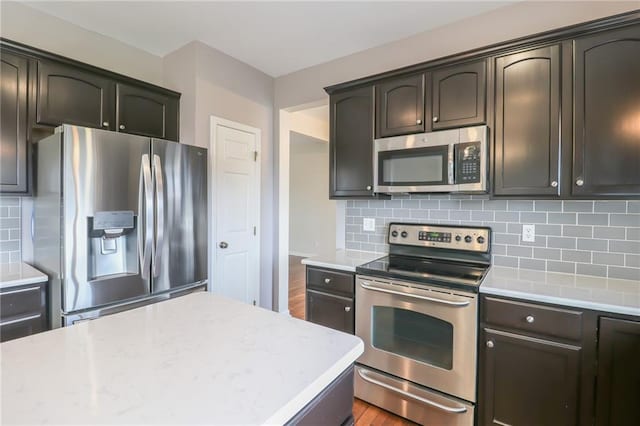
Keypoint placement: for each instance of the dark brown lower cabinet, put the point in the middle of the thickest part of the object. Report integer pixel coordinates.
(23, 311)
(331, 311)
(618, 381)
(528, 381)
(330, 298)
(333, 406)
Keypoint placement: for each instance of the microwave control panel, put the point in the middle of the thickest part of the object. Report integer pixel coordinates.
(467, 161)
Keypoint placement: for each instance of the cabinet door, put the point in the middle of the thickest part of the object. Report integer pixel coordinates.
(13, 123)
(351, 143)
(618, 382)
(459, 93)
(73, 96)
(527, 130)
(527, 381)
(331, 311)
(143, 112)
(400, 106)
(607, 110)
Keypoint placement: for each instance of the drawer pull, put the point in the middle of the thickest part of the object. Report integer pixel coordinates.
(22, 290)
(327, 280)
(490, 344)
(530, 319)
(30, 317)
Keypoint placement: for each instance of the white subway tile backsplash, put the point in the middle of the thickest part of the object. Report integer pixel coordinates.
(597, 238)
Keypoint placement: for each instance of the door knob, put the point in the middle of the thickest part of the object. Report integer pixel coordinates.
(122, 127)
(223, 245)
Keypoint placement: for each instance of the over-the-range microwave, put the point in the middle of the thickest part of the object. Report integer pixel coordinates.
(445, 161)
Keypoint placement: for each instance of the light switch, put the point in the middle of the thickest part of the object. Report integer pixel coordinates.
(529, 233)
(369, 224)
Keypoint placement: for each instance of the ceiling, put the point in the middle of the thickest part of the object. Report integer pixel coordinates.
(275, 37)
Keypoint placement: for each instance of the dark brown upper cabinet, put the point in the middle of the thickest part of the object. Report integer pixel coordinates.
(606, 157)
(147, 113)
(14, 145)
(71, 95)
(458, 95)
(351, 143)
(400, 106)
(527, 123)
(618, 384)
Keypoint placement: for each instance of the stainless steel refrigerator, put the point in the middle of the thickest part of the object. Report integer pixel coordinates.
(119, 221)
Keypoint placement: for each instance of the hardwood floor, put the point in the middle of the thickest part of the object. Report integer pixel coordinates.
(363, 413)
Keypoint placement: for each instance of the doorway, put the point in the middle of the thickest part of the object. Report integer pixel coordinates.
(235, 210)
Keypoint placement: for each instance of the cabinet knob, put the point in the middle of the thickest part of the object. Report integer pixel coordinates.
(530, 319)
(489, 344)
(347, 308)
(327, 280)
(554, 184)
(368, 187)
(435, 119)
(418, 121)
(579, 182)
(105, 124)
(122, 127)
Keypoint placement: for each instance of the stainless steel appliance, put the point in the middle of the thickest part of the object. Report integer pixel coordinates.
(119, 221)
(445, 161)
(417, 313)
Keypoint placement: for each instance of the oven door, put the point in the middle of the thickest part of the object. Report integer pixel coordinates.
(426, 335)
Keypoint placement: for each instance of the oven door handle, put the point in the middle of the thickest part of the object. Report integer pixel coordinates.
(454, 410)
(415, 296)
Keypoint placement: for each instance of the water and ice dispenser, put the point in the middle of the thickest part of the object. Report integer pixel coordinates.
(112, 244)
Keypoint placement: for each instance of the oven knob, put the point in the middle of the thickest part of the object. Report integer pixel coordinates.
(394, 233)
(458, 237)
(404, 234)
(480, 239)
(467, 239)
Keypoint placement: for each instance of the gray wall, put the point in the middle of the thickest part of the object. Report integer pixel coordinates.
(599, 238)
(312, 215)
(10, 217)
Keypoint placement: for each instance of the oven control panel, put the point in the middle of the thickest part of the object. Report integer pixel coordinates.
(440, 236)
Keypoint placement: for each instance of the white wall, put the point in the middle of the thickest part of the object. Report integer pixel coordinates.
(312, 216)
(21, 23)
(219, 85)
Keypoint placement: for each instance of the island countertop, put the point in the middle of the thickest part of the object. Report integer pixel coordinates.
(199, 358)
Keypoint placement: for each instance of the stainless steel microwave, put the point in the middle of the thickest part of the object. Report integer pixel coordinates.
(445, 161)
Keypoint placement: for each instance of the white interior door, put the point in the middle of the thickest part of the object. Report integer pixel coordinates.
(236, 192)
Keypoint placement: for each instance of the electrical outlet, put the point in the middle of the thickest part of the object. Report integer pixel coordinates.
(369, 224)
(529, 233)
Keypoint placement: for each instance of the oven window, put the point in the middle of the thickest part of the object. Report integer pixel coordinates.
(413, 335)
(416, 166)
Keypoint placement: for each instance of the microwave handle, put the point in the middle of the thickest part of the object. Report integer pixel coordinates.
(450, 163)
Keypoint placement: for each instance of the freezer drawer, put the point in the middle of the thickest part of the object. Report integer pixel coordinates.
(411, 401)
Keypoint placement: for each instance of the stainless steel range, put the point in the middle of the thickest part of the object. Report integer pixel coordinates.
(417, 313)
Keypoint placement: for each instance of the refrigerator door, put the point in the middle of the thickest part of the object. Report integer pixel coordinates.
(180, 188)
(108, 217)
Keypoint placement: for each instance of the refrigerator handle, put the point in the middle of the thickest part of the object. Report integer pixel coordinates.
(159, 234)
(145, 200)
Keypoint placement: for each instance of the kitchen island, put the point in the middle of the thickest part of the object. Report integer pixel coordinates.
(199, 359)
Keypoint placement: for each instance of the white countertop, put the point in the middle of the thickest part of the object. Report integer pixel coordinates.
(199, 358)
(580, 291)
(343, 260)
(15, 274)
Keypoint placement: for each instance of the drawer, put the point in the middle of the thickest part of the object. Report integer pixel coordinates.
(331, 281)
(21, 326)
(534, 319)
(23, 300)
